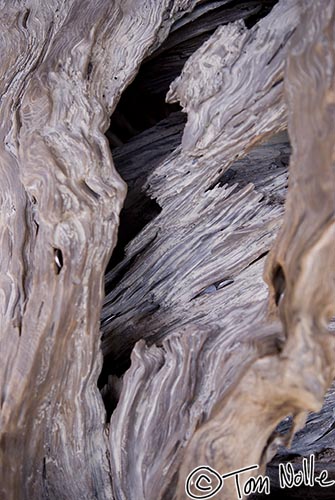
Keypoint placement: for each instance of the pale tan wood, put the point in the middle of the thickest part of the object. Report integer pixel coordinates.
(63, 68)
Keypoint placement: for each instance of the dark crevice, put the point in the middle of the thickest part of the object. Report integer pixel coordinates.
(90, 191)
(44, 471)
(37, 226)
(288, 36)
(265, 8)
(111, 385)
(25, 18)
(110, 381)
(260, 257)
(131, 224)
(89, 70)
(136, 112)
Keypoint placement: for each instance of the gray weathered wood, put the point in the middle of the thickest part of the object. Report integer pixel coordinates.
(215, 348)
(201, 358)
(61, 76)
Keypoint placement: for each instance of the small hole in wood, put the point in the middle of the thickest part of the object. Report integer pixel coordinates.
(279, 283)
(89, 70)
(58, 259)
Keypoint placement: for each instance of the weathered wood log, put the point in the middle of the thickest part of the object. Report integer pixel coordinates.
(199, 366)
(61, 75)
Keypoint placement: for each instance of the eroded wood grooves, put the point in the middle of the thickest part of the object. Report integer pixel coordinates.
(61, 79)
(201, 357)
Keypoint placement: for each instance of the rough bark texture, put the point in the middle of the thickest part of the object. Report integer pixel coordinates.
(202, 360)
(61, 75)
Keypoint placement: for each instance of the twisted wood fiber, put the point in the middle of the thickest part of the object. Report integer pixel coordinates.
(64, 66)
(214, 369)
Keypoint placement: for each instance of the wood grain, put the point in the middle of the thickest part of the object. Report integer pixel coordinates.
(201, 361)
(61, 77)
